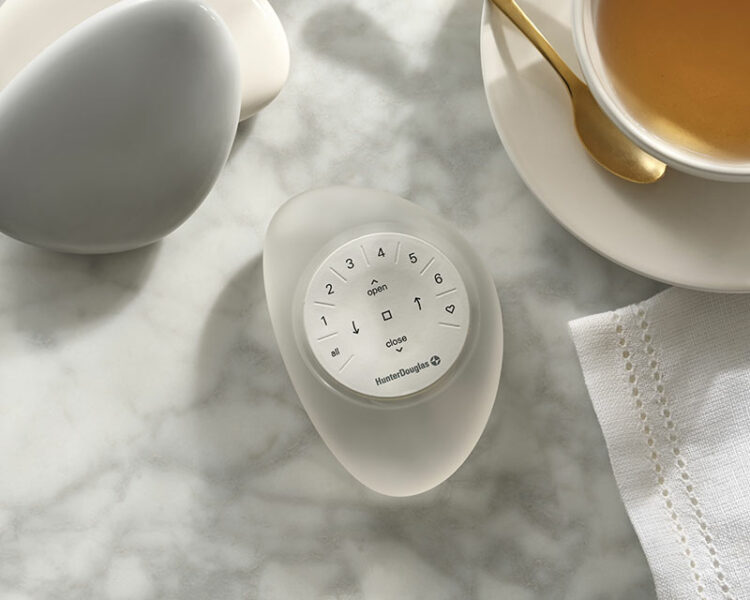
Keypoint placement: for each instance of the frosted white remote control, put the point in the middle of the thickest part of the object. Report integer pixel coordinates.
(391, 331)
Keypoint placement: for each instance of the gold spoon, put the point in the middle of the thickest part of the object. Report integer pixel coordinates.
(606, 144)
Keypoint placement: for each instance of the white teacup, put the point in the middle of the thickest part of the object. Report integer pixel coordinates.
(602, 87)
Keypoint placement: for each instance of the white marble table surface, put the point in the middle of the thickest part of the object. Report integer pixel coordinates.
(151, 445)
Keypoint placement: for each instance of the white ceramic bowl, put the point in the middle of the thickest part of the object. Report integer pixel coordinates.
(601, 85)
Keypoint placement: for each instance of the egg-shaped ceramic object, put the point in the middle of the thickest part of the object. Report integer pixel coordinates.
(114, 134)
(28, 26)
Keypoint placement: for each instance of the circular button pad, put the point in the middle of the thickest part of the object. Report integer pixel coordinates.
(386, 315)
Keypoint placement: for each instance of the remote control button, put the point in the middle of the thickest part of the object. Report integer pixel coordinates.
(386, 315)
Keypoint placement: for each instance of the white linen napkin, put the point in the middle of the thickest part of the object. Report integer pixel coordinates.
(670, 382)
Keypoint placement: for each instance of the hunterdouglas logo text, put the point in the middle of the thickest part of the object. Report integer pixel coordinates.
(402, 373)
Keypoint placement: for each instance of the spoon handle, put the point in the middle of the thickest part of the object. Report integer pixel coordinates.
(524, 24)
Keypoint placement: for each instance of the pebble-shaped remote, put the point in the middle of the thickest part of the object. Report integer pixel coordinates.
(391, 331)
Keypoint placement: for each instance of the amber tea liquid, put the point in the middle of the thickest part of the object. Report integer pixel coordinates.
(682, 68)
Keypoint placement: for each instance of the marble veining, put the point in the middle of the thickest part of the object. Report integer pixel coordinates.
(151, 445)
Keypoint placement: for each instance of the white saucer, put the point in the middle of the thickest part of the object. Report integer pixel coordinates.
(682, 230)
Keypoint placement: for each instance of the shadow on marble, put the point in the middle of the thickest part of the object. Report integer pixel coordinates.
(354, 47)
(445, 93)
(246, 415)
(244, 129)
(51, 293)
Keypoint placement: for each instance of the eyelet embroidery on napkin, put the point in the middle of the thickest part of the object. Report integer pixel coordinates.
(654, 457)
(680, 462)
